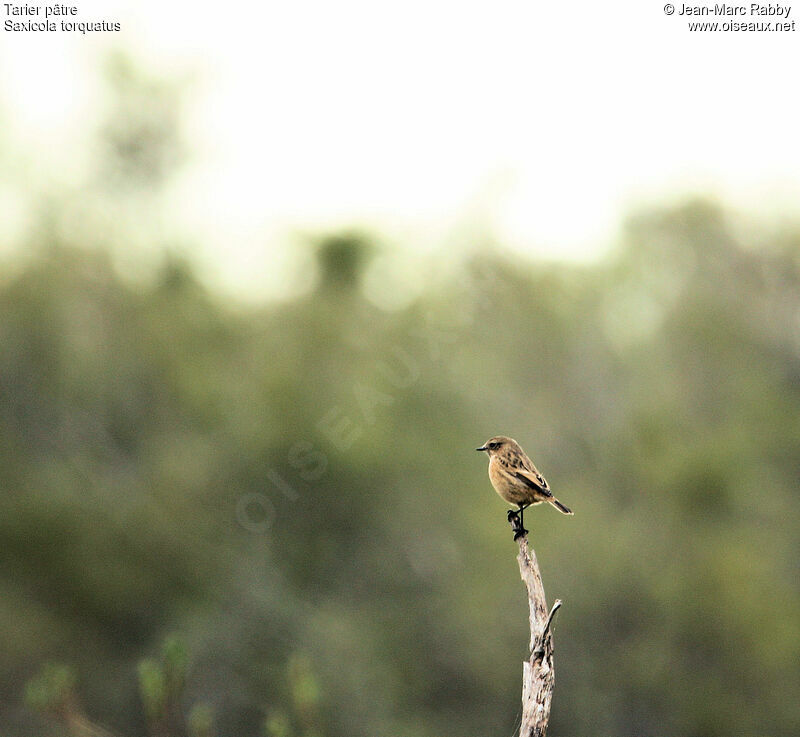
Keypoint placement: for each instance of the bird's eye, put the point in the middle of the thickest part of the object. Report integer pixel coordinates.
(492, 445)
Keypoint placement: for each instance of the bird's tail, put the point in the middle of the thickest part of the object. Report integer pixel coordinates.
(560, 507)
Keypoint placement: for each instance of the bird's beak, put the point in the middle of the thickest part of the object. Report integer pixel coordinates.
(482, 448)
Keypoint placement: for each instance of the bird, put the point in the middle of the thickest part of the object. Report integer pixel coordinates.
(517, 480)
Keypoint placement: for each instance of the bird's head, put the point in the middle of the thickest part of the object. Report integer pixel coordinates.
(497, 444)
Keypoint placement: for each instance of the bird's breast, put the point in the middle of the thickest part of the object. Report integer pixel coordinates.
(507, 488)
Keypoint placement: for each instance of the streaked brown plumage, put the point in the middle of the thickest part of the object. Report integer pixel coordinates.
(515, 478)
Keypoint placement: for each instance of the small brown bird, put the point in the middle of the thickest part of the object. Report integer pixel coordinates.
(516, 479)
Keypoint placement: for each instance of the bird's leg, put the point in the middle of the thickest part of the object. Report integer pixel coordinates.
(519, 527)
(513, 518)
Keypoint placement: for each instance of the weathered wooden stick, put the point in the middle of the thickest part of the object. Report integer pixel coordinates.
(537, 672)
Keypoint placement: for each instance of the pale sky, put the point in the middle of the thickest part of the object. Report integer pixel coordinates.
(542, 123)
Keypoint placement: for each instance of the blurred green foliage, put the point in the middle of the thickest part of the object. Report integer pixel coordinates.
(51, 689)
(293, 487)
(201, 721)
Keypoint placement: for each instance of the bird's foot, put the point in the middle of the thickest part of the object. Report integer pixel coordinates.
(519, 532)
(515, 520)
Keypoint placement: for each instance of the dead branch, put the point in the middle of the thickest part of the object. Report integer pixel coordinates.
(537, 672)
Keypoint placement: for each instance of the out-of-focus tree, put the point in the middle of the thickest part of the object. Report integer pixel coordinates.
(292, 487)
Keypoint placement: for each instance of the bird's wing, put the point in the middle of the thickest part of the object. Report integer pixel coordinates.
(533, 479)
(520, 469)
